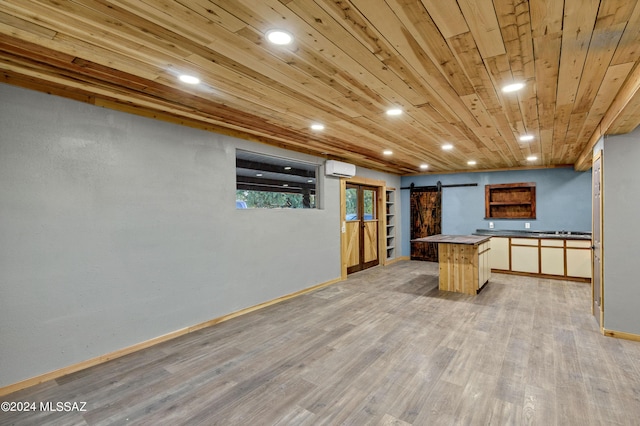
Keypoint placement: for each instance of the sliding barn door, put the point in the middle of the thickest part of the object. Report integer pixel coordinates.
(361, 227)
(426, 220)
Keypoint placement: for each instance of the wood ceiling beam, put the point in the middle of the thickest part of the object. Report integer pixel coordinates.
(630, 88)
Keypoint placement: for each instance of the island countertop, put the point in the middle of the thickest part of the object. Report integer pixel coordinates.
(453, 239)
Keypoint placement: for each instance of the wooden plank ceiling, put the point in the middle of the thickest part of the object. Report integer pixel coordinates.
(443, 62)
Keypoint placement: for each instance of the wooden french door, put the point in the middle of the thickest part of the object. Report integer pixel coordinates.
(426, 220)
(596, 235)
(361, 227)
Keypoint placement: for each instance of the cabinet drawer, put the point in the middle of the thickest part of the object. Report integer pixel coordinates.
(579, 243)
(524, 242)
(552, 243)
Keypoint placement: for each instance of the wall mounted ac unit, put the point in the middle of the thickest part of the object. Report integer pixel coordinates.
(339, 169)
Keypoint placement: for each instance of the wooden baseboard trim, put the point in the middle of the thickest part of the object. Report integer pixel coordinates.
(148, 343)
(551, 277)
(622, 335)
(395, 259)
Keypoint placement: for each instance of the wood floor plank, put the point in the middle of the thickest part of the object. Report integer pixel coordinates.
(384, 347)
(539, 406)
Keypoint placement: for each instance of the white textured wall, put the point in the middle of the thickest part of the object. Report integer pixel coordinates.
(115, 229)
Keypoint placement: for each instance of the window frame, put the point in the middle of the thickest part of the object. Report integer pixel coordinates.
(274, 182)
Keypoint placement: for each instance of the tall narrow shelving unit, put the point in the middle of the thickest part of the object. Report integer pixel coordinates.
(391, 222)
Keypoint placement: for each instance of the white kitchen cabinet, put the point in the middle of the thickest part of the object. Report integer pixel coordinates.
(579, 258)
(484, 268)
(552, 257)
(499, 254)
(524, 255)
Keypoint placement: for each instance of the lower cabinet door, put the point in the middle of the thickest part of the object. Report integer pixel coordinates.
(484, 269)
(499, 253)
(578, 263)
(524, 259)
(552, 260)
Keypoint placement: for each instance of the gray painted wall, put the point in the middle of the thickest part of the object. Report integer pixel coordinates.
(563, 201)
(621, 233)
(116, 229)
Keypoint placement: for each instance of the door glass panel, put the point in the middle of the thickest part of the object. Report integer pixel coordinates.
(351, 196)
(369, 204)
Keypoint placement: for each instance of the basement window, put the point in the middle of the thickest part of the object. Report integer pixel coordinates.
(268, 182)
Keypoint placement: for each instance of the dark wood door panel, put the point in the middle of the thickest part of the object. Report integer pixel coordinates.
(426, 220)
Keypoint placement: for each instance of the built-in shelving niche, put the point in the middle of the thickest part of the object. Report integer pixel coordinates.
(391, 222)
(510, 201)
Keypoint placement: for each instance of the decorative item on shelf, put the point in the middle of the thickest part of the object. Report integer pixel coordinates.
(510, 201)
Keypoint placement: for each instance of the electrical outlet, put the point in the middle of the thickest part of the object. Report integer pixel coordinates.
(490, 225)
(527, 225)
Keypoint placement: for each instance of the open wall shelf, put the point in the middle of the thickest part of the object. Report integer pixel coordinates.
(510, 201)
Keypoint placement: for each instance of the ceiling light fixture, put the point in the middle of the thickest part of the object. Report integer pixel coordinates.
(279, 37)
(471, 162)
(287, 168)
(259, 174)
(532, 158)
(394, 111)
(526, 138)
(447, 147)
(424, 166)
(514, 87)
(387, 152)
(189, 79)
(317, 126)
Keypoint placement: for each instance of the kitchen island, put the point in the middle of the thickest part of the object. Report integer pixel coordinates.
(463, 261)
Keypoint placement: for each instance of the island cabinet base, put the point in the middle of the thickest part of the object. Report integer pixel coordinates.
(464, 268)
(463, 261)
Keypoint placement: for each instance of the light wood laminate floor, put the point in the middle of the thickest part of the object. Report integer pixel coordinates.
(385, 347)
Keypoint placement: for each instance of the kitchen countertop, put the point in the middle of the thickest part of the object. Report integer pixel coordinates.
(453, 239)
(564, 235)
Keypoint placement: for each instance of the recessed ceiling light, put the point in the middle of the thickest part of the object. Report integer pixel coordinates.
(287, 168)
(285, 184)
(317, 126)
(424, 166)
(387, 152)
(512, 87)
(471, 162)
(526, 138)
(279, 37)
(447, 147)
(259, 174)
(394, 111)
(189, 79)
(310, 181)
(532, 158)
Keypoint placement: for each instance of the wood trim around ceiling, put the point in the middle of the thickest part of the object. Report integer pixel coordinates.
(630, 88)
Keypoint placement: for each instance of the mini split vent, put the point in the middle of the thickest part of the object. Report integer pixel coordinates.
(339, 169)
